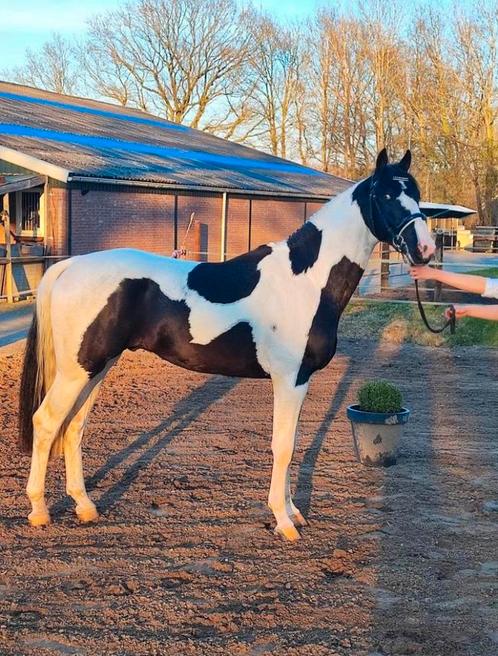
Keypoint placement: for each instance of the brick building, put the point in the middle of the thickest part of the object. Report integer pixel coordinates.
(79, 175)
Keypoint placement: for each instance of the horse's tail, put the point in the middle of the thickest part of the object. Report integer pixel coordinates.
(39, 366)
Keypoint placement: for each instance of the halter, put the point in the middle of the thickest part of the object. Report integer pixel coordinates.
(400, 245)
(395, 238)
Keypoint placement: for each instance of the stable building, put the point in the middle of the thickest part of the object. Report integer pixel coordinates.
(78, 175)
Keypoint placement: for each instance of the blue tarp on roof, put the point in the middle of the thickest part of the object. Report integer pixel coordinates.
(92, 139)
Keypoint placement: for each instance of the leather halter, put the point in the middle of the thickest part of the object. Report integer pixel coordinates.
(399, 243)
(394, 237)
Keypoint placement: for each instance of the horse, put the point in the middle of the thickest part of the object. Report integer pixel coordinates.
(270, 313)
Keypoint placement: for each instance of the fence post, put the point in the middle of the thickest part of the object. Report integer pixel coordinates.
(8, 250)
(384, 266)
(438, 261)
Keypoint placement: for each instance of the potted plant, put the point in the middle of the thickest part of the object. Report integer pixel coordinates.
(377, 421)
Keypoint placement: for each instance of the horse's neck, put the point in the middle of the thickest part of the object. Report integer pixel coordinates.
(346, 245)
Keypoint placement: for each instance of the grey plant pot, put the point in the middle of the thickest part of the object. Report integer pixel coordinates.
(376, 435)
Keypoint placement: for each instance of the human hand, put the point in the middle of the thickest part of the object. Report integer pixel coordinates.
(423, 273)
(460, 311)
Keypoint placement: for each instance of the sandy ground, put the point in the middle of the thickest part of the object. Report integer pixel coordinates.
(184, 560)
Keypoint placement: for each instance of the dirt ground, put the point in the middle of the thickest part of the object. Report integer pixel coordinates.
(184, 560)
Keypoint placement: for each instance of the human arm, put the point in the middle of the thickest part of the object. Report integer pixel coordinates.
(463, 281)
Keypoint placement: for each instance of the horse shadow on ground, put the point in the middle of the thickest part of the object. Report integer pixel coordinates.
(184, 413)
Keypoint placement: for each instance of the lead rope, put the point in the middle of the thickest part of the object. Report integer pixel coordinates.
(451, 322)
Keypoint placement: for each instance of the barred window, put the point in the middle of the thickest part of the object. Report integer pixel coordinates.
(30, 210)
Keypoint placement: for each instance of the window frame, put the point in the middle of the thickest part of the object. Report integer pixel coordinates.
(37, 232)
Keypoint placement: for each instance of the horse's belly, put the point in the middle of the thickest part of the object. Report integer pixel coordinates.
(233, 353)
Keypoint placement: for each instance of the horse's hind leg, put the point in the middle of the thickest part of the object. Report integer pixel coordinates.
(47, 421)
(75, 482)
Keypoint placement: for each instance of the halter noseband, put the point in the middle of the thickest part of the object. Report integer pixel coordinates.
(395, 238)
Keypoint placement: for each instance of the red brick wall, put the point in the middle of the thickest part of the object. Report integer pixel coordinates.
(115, 217)
(207, 212)
(237, 238)
(312, 207)
(105, 216)
(273, 220)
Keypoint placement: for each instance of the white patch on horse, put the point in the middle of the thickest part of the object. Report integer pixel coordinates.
(426, 243)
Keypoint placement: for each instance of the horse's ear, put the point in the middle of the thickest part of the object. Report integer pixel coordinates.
(382, 160)
(406, 160)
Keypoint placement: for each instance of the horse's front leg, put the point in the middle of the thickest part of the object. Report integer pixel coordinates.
(287, 403)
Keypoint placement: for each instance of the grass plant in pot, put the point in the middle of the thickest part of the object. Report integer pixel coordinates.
(377, 421)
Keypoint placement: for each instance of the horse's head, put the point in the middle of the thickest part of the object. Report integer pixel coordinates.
(389, 203)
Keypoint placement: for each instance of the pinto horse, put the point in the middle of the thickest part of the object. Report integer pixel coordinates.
(271, 313)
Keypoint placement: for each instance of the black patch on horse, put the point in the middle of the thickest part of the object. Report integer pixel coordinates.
(304, 247)
(322, 338)
(227, 282)
(138, 315)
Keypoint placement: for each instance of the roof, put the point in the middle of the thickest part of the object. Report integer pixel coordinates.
(71, 138)
(443, 211)
(11, 183)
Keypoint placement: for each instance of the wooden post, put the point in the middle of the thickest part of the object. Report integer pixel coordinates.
(438, 261)
(384, 266)
(8, 250)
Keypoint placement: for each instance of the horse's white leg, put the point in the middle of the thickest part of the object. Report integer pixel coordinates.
(293, 511)
(286, 407)
(75, 482)
(47, 420)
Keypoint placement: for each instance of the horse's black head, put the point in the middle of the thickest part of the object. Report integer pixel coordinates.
(389, 202)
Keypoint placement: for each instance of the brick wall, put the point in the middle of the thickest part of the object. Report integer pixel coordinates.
(312, 207)
(273, 220)
(104, 217)
(207, 210)
(238, 215)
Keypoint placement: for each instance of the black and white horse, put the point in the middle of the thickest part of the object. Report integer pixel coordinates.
(271, 313)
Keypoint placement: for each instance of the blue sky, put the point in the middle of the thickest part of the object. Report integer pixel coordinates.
(29, 23)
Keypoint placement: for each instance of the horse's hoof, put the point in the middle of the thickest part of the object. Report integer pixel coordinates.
(299, 519)
(289, 533)
(87, 515)
(39, 519)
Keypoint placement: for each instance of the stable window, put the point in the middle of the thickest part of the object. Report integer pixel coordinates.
(29, 213)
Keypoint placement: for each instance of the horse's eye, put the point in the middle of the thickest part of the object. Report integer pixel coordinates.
(387, 196)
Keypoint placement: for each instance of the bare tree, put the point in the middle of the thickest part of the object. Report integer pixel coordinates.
(172, 57)
(272, 81)
(53, 67)
(330, 91)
